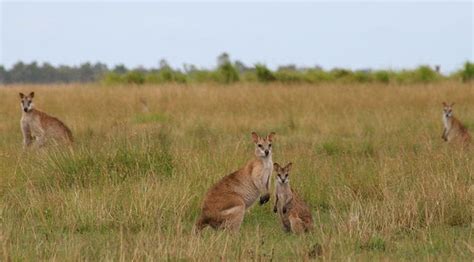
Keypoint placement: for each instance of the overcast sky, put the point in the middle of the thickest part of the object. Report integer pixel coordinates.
(356, 35)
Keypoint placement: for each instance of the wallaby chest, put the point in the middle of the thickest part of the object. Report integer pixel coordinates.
(266, 171)
(31, 122)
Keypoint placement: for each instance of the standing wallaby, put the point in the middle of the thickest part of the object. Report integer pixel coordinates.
(454, 130)
(39, 126)
(294, 214)
(225, 203)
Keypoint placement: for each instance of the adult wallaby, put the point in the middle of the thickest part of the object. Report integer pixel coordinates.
(38, 126)
(225, 203)
(454, 130)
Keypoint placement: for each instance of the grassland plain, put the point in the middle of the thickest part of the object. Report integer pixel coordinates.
(369, 160)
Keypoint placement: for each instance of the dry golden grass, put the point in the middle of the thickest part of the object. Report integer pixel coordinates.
(369, 159)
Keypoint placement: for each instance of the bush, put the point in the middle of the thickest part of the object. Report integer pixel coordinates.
(264, 74)
(203, 76)
(340, 73)
(382, 76)
(467, 74)
(362, 77)
(112, 78)
(425, 74)
(227, 73)
(315, 76)
(290, 76)
(135, 77)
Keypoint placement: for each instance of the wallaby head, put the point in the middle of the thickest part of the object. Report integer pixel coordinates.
(282, 173)
(27, 102)
(263, 146)
(447, 110)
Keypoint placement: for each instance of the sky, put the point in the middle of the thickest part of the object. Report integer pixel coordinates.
(349, 34)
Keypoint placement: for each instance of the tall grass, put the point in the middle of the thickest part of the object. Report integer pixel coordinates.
(368, 159)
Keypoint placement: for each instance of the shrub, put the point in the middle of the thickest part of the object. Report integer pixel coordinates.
(362, 77)
(112, 78)
(135, 77)
(203, 76)
(425, 74)
(315, 76)
(227, 73)
(382, 76)
(264, 74)
(467, 74)
(290, 77)
(340, 73)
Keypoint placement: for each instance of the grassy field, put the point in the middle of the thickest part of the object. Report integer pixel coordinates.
(369, 159)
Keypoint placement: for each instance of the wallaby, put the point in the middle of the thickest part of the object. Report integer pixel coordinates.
(225, 203)
(294, 214)
(454, 130)
(38, 126)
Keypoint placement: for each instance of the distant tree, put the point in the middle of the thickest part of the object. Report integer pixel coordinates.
(3, 75)
(99, 69)
(86, 72)
(290, 67)
(164, 64)
(17, 73)
(318, 68)
(264, 74)
(467, 73)
(228, 73)
(189, 68)
(240, 66)
(223, 59)
(120, 69)
(49, 74)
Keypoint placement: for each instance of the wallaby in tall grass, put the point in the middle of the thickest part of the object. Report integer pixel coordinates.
(294, 214)
(38, 126)
(225, 203)
(454, 130)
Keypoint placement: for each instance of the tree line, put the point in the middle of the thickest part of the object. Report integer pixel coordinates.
(226, 72)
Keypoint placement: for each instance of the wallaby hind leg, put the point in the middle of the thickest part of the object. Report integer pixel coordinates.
(297, 225)
(234, 217)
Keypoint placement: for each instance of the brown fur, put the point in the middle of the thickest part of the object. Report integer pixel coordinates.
(454, 131)
(225, 203)
(295, 215)
(40, 127)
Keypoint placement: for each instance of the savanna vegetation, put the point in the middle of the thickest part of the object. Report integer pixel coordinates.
(368, 159)
(225, 72)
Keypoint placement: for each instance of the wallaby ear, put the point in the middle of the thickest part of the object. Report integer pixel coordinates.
(22, 95)
(288, 167)
(254, 137)
(270, 136)
(276, 167)
(444, 104)
(452, 104)
(32, 94)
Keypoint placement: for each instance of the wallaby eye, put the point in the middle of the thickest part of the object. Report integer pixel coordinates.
(259, 145)
(269, 145)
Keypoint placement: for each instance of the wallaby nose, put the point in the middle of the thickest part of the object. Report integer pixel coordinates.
(25, 109)
(266, 152)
